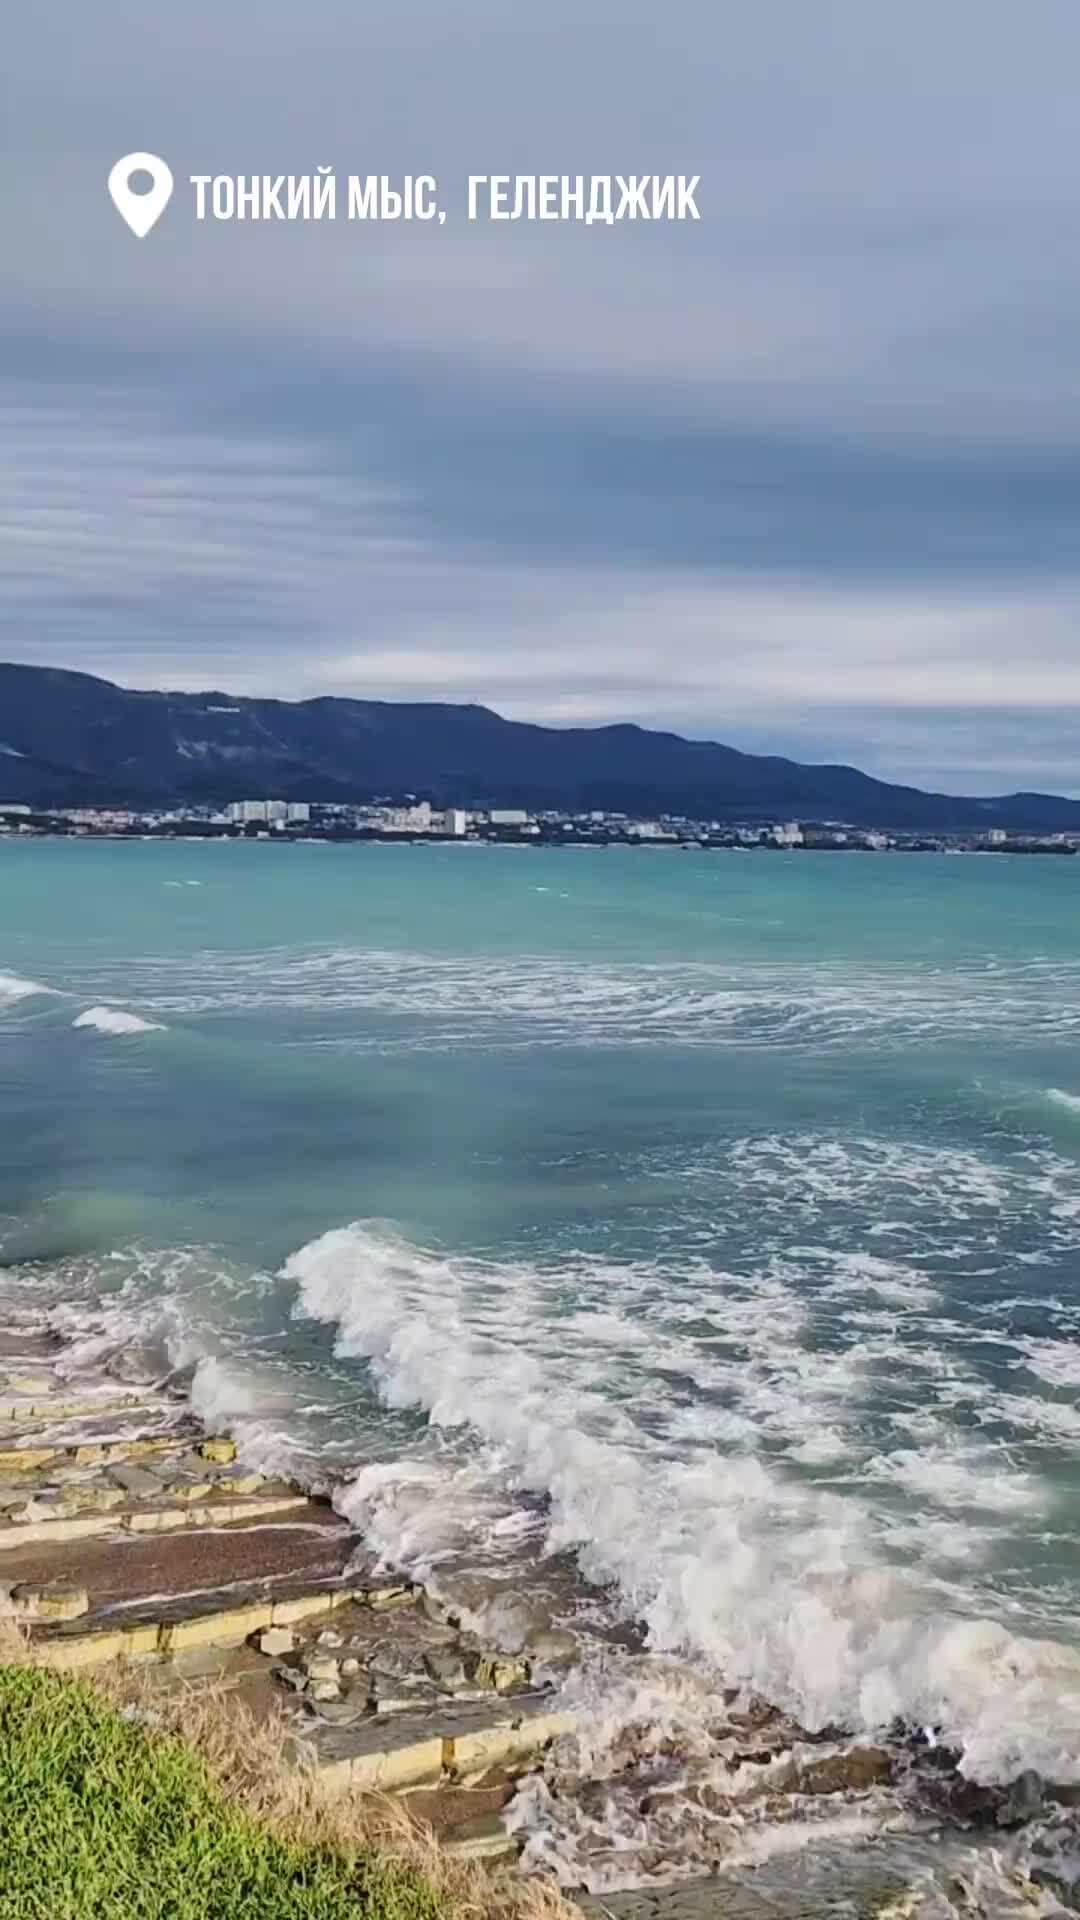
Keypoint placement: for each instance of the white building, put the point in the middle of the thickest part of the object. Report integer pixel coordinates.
(649, 830)
(299, 813)
(454, 822)
(508, 817)
(787, 835)
(415, 819)
(246, 813)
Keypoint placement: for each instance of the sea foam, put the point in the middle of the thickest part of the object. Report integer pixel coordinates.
(13, 987)
(116, 1020)
(777, 1585)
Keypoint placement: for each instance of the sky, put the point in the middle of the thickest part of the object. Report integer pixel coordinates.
(803, 476)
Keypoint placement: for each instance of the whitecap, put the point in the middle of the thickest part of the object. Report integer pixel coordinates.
(777, 1585)
(116, 1020)
(13, 987)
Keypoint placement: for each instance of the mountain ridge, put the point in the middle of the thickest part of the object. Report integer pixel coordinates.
(69, 738)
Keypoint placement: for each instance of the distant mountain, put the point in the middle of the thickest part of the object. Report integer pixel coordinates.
(67, 739)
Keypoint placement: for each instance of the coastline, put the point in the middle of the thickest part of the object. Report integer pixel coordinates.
(133, 1540)
(130, 1536)
(770, 1378)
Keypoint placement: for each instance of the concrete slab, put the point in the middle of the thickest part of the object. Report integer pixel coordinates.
(135, 1480)
(484, 1838)
(61, 1406)
(63, 1525)
(138, 1572)
(455, 1739)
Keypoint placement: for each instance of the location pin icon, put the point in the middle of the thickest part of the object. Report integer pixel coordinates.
(140, 210)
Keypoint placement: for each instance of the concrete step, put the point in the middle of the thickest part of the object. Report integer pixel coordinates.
(157, 1518)
(174, 1633)
(485, 1838)
(30, 1409)
(128, 1569)
(455, 1740)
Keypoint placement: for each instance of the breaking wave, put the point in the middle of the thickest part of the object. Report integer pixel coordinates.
(116, 1020)
(13, 987)
(726, 1548)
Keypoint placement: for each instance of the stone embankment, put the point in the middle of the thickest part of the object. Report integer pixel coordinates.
(127, 1534)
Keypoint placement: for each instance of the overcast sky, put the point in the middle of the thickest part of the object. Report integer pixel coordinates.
(803, 476)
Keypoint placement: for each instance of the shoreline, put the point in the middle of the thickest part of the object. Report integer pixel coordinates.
(129, 1535)
(188, 834)
(131, 1538)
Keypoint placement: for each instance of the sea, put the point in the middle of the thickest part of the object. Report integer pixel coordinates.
(677, 1248)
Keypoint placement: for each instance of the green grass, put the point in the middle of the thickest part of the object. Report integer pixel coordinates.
(100, 1820)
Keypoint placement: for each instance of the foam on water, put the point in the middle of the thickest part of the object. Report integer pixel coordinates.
(115, 1020)
(13, 987)
(780, 1583)
(532, 999)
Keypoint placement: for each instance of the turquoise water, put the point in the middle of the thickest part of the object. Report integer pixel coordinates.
(700, 1233)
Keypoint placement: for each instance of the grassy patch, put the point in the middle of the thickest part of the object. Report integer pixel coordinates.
(100, 1820)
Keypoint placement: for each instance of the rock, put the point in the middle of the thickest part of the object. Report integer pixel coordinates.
(241, 1483)
(435, 1611)
(276, 1640)
(137, 1480)
(496, 1673)
(854, 1771)
(336, 1713)
(93, 1499)
(29, 1510)
(320, 1667)
(553, 1645)
(401, 1665)
(351, 1668)
(25, 1459)
(383, 1598)
(293, 1677)
(446, 1668)
(403, 1702)
(51, 1603)
(190, 1489)
(330, 1637)
(219, 1450)
(324, 1690)
(1024, 1801)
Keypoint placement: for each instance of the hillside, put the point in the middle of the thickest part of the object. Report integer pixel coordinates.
(68, 739)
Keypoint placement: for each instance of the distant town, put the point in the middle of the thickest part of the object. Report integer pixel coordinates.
(418, 822)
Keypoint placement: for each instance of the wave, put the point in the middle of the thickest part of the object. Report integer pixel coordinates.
(191, 1315)
(116, 1020)
(780, 1585)
(13, 987)
(533, 999)
(1070, 1101)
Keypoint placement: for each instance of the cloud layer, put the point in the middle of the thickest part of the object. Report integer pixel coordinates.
(805, 476)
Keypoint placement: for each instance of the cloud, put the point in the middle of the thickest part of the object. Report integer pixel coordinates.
(779, 475)
(151, 550)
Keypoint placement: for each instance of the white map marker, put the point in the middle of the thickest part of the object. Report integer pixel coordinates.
(140, 210)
